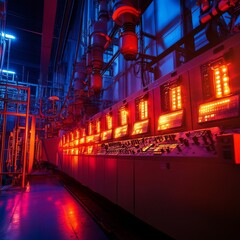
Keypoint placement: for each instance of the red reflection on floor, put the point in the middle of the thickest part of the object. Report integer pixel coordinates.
(45, 211)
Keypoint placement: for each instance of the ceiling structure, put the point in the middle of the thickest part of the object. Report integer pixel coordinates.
(40, 28)
(36, 26)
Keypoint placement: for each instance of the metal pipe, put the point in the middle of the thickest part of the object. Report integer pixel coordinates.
(26, 140)
(31, 145)
(15, 114)
(75, 59)
(3, 54)
(3, 141)
(175, 45)
(68, 9)
(105, 68)
(9, 48)
(11, 86)
(16, 146)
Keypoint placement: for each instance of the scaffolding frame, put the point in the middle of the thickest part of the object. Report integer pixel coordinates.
(12, 105)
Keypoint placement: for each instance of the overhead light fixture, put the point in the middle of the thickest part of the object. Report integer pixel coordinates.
(8, 36)
(7, 71)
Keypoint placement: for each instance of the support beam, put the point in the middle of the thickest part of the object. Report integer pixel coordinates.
(50, 7)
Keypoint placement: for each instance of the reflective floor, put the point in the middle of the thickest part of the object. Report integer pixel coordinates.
(44, 210)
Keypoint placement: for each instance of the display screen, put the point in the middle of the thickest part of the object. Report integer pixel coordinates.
(90, 128)
(109, 121)
(89, 139)
(215, 79)
(106, 135)
(89, 149)
(170, 120)
(121, 131)
(82, 140)
(140, 127)
(219, 109)
(175, 98)
(98, 126)
(171, 95)
(123, 116)
(141, 108)
(221, 81)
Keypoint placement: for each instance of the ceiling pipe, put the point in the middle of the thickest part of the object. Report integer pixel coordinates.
(105, 68)
(127, 17)
(64, 105)
(68, 9)
(47, 37)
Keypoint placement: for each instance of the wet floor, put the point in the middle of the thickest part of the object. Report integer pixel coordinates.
(44, 210)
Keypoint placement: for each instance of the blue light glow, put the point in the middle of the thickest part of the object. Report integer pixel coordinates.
(8, 36)
(7, 71)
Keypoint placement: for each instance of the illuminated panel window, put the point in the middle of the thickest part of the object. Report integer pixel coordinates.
(90, 128)
(109, 121)
(76, 137)
(77, 134)
(143, 109)
(89, 139)
(89, 149)
(82, 140)
(121, 131)
(170, 120)
(67, 140)
(106, 135)
(140, 127)
(76, 151)
(71, 138)
(171, 95)
(83, 132)
(175, 98)
(76, 142)
(221, 81)
(123, 116)
(98, 126)
(219, 109)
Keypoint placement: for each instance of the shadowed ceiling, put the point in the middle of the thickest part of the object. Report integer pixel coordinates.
(36, 26)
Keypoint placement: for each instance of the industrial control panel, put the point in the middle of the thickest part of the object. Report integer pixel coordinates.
(191, 143)
(188, 113)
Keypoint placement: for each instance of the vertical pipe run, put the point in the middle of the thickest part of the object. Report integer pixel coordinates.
(99, 41)
(32, 143)
(16, 146)
(3, 140)
(26, 140)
